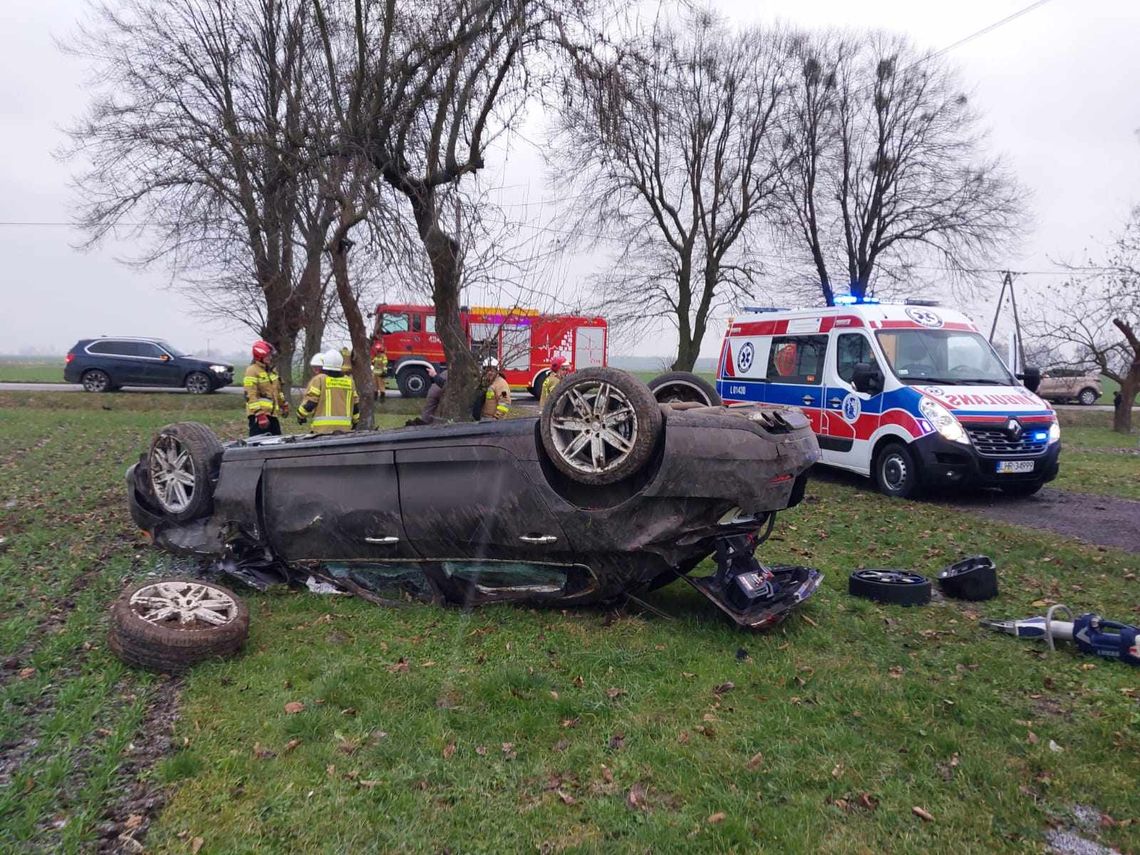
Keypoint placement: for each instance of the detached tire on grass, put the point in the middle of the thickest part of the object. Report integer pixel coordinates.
(899, 587)
(170, 625)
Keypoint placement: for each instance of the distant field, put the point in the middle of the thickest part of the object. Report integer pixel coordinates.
(31, 370)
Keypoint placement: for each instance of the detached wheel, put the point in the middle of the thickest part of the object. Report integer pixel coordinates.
(413, 382)
(896, 473)
(973, 578)
(1088, 397)
(95, 381)
(899, 587)
(169, 625)
(600, 425)
(199, 384)
(182, 466)
(682, 386)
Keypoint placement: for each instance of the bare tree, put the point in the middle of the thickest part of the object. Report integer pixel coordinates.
(888, 169)
(672, 149)
(1095, 320)
(197, 131)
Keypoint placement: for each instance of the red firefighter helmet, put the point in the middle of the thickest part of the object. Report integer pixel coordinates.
(263, 350)
(557, 362)
(377, 347)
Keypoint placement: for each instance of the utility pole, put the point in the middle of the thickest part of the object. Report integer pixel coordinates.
(1007, 278)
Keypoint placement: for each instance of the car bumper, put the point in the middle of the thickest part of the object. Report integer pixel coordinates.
(951, 464)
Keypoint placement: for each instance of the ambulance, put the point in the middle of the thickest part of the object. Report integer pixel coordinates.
(911, 395)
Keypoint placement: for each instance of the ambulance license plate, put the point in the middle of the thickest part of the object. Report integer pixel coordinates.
(1006, 467)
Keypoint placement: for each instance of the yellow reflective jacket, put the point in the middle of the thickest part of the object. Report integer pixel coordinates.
(330, 402)
(547, 387)
(262, 391)
(497, 401)
(380, 364)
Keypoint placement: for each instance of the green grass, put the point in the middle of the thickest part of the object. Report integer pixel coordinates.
(913, 707)
(19, 370)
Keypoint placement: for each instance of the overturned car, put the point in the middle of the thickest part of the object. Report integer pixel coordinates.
(607, 494)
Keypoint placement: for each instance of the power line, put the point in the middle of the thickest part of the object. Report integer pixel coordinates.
(985, 30)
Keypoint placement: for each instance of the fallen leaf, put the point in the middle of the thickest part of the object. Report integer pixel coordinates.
(566, 798)
(922, 814)
(718, 817)
(756, 761)
(1087, 666)
(481, 750)
(351, 711)
(614, 694)
(399, 667)
(578, 681)
(291, 744)
(294, 707)
(509, 750)
(683, 737)
(687, 674)
(1054, 747)
(196, 845)
(837, 771)
(133, 821)
(25, 673)
(895, 671)
(448, 750)
(570, 722)
(868, 801)
(554, 694)
(348, 746)
(1033, 740)
(636, 797)
(368, 785)
(726, 686)
(262, 753)
(561, 745)
(607, 775)
(616, 742)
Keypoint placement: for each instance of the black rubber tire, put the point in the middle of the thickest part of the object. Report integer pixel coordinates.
(1087, 397)
(973, 578)
(96, 380)
(897, 455)
(914, 591)
(686, 387)
(199, 383)
(414, 382)
(165, 649)
(645, 428)
(206, 456)
(1022, 488)
(536, 389)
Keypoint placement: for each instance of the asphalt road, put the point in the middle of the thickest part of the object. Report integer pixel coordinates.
(75, 387)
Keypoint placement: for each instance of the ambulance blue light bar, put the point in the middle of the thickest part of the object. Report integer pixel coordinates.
(852, 300)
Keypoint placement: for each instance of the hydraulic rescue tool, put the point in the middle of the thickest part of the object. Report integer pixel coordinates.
(1090, 632)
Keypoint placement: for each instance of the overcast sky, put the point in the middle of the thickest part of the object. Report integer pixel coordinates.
(1057, 88)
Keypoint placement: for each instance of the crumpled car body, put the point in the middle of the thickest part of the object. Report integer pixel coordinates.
(475, 512)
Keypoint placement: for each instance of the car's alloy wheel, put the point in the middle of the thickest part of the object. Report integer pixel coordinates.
(198, 384)
(684, 387)
(96, 381)
(900, 587)
(1087, 397)
(600, 425)
(181, 467)
(170, 624)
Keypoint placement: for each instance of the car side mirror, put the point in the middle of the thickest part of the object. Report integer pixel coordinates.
(1031, 377)
(867, 379)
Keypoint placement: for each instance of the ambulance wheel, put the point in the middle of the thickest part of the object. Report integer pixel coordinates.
(413, 382)
(683, 386)
(169, 625)
(182, 467)
(896, 472)
(600, 426)
(973, 578)
(536, 389)
(898, 587)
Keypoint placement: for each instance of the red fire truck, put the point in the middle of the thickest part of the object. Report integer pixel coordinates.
(523, 340)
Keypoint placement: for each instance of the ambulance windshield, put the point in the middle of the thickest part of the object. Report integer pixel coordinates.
(946, 357)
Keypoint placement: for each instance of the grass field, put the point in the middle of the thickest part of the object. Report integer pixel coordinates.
(509, 729)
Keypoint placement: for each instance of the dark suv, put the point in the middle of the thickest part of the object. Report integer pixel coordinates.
(105, 364)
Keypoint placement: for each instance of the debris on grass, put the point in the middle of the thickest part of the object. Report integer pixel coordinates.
(922, 814)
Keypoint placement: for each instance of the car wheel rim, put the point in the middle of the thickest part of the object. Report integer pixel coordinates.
(184, 604)
(95, 382)
(594, 427)
(172, 474)
(197, 384)
(680, 393)
(1087, 398)
(894, 472)
(890, 577)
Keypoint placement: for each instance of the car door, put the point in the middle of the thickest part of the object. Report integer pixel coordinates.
(332, 504)
(476, 502)
(795, 375)
(156, 366)
(852, 416)
(115, 357)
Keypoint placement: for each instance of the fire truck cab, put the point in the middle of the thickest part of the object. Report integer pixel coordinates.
(911, 395)
(523, 340)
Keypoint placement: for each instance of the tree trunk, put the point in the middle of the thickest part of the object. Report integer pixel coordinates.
(361, 368)
(1130, 385)
(443, 254)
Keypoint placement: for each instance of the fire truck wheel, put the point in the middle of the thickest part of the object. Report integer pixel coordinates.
(973, 578)
(168, 625)
(600, 425)
(890, 586)
(413, 382)
(683, 386)
(181, 468)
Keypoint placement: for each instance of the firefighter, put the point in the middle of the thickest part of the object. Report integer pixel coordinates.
(559, 368)
(330, 401)
(264, 400)
(380, 367)
(346, 359)
(497, 398)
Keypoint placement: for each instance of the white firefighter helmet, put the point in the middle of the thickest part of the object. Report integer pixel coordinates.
(333, 360)
(318, 360)
(490, 362)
